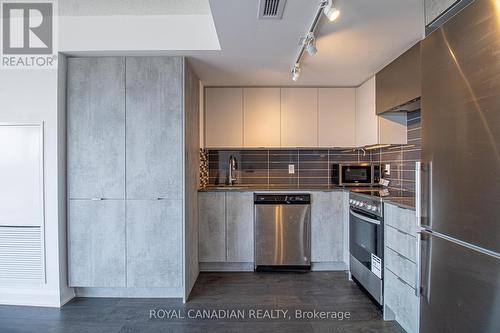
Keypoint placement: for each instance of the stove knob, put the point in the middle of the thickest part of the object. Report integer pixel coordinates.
(351, 201)
(374, 208)
(369, 207)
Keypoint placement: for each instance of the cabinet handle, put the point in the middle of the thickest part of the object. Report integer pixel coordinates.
(404, 282)
(97, 199)
(160, 198)
(402, 232)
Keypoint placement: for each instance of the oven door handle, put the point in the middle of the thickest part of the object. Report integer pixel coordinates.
(364, 218)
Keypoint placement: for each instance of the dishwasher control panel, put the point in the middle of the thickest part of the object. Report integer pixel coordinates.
(282, 199)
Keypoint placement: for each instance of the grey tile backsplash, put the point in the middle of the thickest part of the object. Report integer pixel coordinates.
(269, 168)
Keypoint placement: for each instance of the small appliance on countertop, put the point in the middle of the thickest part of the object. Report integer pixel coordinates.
(356, 174)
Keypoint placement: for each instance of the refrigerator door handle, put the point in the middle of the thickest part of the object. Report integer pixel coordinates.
(418, 191)
(418, 264)
(425, 258)
(423, 194)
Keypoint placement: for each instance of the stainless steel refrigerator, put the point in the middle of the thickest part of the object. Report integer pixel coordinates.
(460, 177)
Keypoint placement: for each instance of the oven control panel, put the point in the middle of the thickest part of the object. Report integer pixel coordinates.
(364, 204)
(370, 206)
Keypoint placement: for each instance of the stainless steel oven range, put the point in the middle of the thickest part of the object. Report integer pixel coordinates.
(366, 243)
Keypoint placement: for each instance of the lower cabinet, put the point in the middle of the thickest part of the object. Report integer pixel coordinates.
(212, 226)
(225, 227)
(239, 227)
(327, 226)
(154, 241)
(96, 243)
(401, 300)
(125, 243)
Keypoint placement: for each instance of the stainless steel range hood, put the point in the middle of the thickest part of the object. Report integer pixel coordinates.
(410, 106)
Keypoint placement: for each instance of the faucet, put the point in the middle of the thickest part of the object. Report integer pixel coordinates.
(233, 165)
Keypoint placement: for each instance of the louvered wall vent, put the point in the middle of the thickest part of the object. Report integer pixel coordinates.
(21, 255)
(271, 9)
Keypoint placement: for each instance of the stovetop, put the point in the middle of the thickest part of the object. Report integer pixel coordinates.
(371, 199)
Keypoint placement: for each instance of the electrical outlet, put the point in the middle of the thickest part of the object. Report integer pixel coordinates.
(291, 169)
(387, 170)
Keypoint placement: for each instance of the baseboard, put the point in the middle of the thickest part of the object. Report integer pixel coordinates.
(29, 297)
(190, 287)
(67, 295)
(226, 266)
(130, 292)
(328, 266)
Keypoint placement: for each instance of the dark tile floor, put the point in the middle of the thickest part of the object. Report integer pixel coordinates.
(217, 293)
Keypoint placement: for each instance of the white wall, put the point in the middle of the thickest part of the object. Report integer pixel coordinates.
(30, 96)
(34, 96)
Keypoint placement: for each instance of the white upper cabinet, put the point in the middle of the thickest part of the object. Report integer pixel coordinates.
(223, 117)
(261, 117)
(366, 117)
(337, 117)
(299, 117)
(389, 128)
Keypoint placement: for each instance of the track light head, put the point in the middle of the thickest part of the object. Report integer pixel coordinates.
(310, 44)
(330, 11)
(295, 72)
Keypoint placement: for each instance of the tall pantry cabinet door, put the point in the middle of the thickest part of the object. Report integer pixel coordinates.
(154, 127)
(96, 243)
(299, 117)
(154, 243)
(261, 117)
(337, 117)
(96, 127)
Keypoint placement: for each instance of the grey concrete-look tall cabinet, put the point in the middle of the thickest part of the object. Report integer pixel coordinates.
(132, 125)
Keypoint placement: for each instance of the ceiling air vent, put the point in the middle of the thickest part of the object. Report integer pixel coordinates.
(271, 9)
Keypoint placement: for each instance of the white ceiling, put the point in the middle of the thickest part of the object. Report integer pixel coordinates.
(368, 35)
(228, 45)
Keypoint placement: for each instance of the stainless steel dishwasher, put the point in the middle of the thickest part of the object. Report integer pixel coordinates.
(282, 232)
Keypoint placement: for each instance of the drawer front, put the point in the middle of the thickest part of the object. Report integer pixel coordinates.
(400, 218)
(401, 242)
(401, 266)
(401, 299)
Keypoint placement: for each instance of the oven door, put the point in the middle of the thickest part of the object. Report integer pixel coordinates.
(358, 174)
(366, 239)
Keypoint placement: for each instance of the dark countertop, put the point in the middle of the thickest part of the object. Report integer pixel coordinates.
(399, 198)
(403, 202)
(260, 188)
